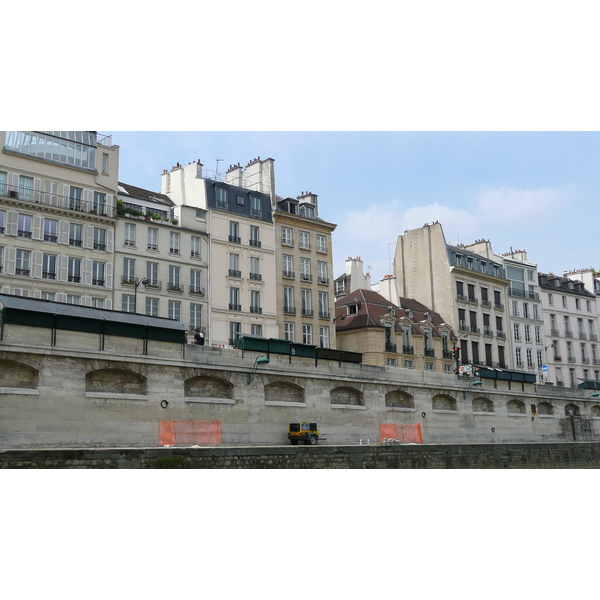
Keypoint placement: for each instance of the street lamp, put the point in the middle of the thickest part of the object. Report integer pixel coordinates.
(260, 360)
(592, 395)
(471, 383)
(137, 283)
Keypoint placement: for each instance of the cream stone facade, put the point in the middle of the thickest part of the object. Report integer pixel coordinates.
(468, 290)
(57, 216)
(305, 299)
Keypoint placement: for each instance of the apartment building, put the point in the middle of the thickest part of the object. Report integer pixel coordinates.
(408, 335)
(570, 321)
(468, 290)
(57, 215)
(305, 299)
(353, 278)
(236, 208)
(160, 259)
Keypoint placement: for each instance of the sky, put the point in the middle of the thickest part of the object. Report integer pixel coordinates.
(533, 191)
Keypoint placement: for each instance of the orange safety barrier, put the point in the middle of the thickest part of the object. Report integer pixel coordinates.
(408, 434)
(189, 433)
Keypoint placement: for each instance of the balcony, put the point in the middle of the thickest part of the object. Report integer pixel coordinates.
(390, 347)
(175, 251)
(256, 310)
(198, 291)
(430, 352)
(462, 326)
(498, 306)
(472, 300)
(500, 334)
(557, 358)
(323, 280)
(593, 337)
(305, 277)
(304, 246)
(255, 213)
(488, 331)
(560, 384)
(24, 272)
(307, 312)
(98, 282)
(289, 310)
(474, 329)
(585, 360)
(255, 243)
(234, 273)
(523, 294)
(24, 234)
(152, 246)
(174, 287)
(48, 274)
(152, 283)
(126, 280)
(48, 199)
(568, 333)
(461, 297)
(98, 246)
(571, 359)
(234, 239)
(195, 254)
(582, 336)
(596, 361)
(289, 274)
(554, 332)
(50, 238)
(256, 276)
(236, 307)
(323, 315)
(72, 278)
(408, 349)
(519, 363)
(486, 303)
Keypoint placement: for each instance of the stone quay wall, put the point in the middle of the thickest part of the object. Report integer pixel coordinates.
(79, 395)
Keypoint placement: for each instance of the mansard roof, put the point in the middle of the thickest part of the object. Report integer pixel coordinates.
(142, 194)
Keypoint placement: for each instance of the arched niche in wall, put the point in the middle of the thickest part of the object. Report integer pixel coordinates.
(283, 391)
(572, 410)
(17, 375)
(515, 407)
(596, 410)
(115, 381)
(443, 402)
(206, 386)
(346, 395)
(484, 405)
(399, 399)
(545, 408)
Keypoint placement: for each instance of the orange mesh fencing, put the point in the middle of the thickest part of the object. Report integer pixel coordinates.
(407, 434)
(189, 433)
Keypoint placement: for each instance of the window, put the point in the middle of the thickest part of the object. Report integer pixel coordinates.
(408, 364)
(75, 234)
(152, 274)
(255, 268)
(239, 200)
(255, 207)
(448, 369)
(518, 357)
(577, 306)
(25, 187)
(234, 265)
(580, 327)
(515, 308)
(306, 333)
(73, 299)
(528, 353)
(152, 238)
(429, 366)
(50, 230)
(564, 301)
(550, 299)
(588, 305)
(255, 236)
(525, 310)
(195, 252)
(98, 273)
(288, 265)
(152, 307)
(304, 239)
(235, 330)
(321, 243)
(48, 296)
(195, 316)
(127, 303)
(221, 197)
(75, 198)
(305, 269)
(129, 234)
(1, 253)
(288, 299)
(200, 214)
(583, 356)
(517, 331)
(527, 329)
(536, 314)
(307, 210)
(538, 336)
(256, 329)
(567, 327)
(174, 283)
(74, 273)
(2, 220)
(539, 359)
(286, 236)
(195, 281)
(3, 191)
(569, 350)
(323, 305)
(174, 310)
(306, 303)
(129, 270)
(234, 299)
(572, 377)
(49, 266)
(255, 302)
(174, 242)
(322, 271)
(324, 339)
(99, 203)
(99, 239)
(24, 226)
(288, 332)
(234, 232)
(591, 328)
(104, 163)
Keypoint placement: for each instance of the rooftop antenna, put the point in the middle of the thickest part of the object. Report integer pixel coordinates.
(218, 161)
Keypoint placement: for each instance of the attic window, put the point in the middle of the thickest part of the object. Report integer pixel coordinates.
(353, 308)
(469, 263)
(239, 200)
(293, 208)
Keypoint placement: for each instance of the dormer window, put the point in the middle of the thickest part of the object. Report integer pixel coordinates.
(221, 197)
(307, 210)
(458, 260)
(469, 263)
(353, 308)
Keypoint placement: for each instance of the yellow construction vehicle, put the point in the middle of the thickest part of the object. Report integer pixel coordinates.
(307, 432)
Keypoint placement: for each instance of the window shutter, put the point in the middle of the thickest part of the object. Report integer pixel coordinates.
(88, 200)
(37, 293)
(52, 192)
(37, 186)
(13, 182)
(12, 222)
(86, 300)
(63, 268)
(37, 261)
(66, 192)
(88, 236)
(10, 261)
(63, 232)
(38, 231)
(109, 202)
(60, 297)
(108, 302)
(86, 271)
(110, 241)
(109, 275)
(5, 289)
